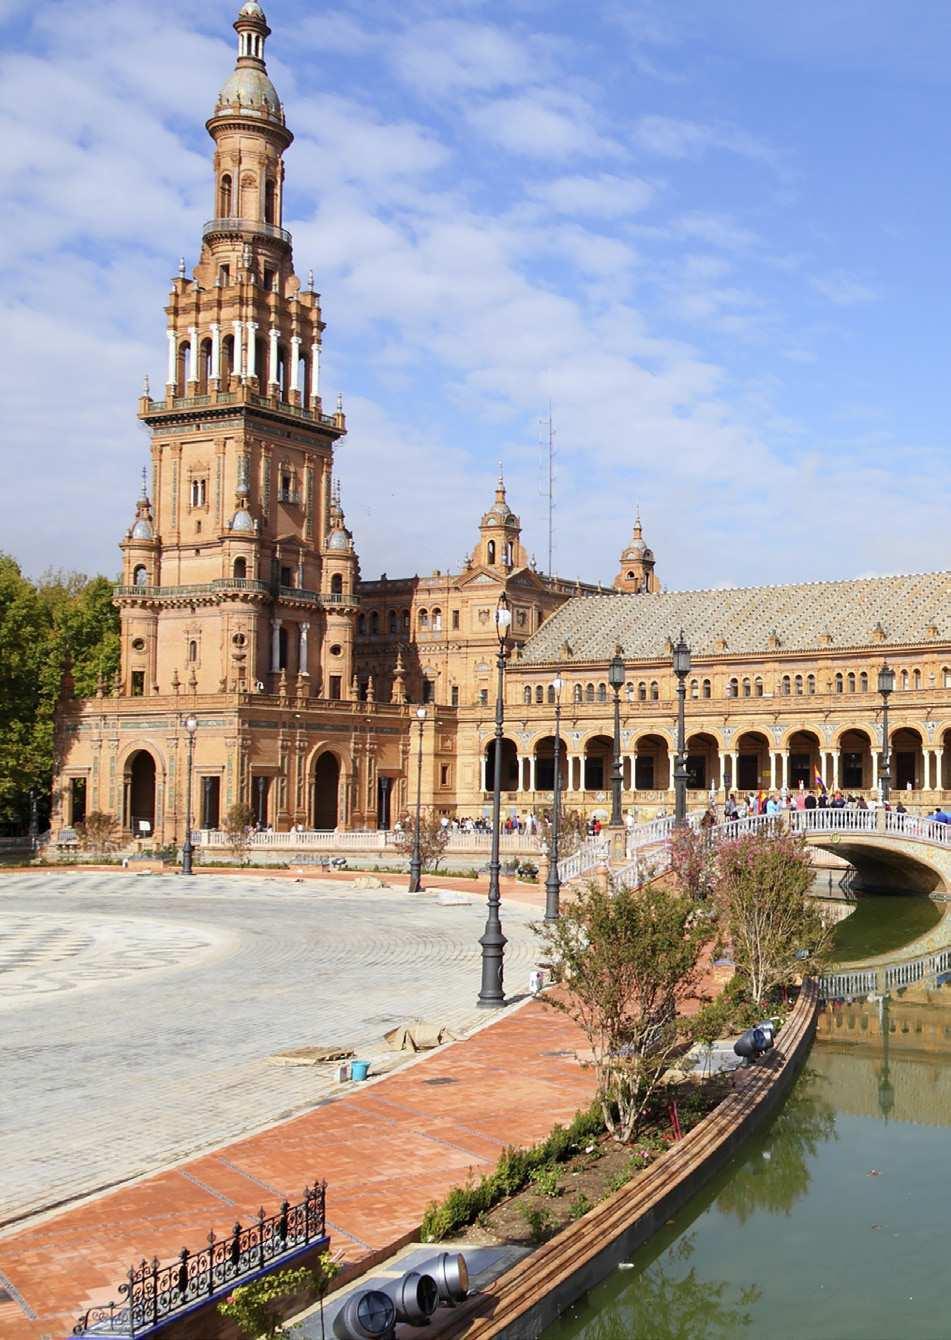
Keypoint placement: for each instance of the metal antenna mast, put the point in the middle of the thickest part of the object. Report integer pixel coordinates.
(551, 491)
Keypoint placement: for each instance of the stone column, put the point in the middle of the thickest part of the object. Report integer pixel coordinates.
(295, 362)
(482, 785)
(835, 770)
(252, 363)
(303, 658)
(215, 374)
(939, 764)
(238, 368)
(272, 358)
(275, 645)
(519, 773)
(773, 770)
(193, 353)
(170, 381)
(734, 771)
(314, 372)
(722, 759)
(876, 763)
(531, 772)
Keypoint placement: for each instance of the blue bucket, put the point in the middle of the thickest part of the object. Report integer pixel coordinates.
(359, 1069)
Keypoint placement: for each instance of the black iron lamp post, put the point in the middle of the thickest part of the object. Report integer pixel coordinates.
(191, 726)
(493, 941)
(616, 680)
(886, 685)
(553, 883)
(416, 864)
(34, 822)
(681, 660)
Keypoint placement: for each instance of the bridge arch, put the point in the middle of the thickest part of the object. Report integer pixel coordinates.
(897, 865)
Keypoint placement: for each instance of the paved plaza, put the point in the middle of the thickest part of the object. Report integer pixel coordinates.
(138, 1014)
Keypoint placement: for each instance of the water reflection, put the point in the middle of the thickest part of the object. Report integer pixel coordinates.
(780, 1175)
(663, 1303)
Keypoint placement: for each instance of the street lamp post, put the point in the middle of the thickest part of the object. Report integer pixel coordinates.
(191, 726)
(492, 940)
(616, 680)
(681, 659)
(416, 864)
(553, 883)
(34, 821)
(886, 685)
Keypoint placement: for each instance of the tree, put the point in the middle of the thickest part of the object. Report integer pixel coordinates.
(61, 632)
(693, 860)
(433, 840)
(777, 933)
(572, 832)
(627, 959)
(99, 832)
(236, 826)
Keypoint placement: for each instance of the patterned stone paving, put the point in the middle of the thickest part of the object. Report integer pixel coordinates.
(139, 1013)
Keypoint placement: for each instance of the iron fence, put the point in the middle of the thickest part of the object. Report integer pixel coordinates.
(152, 1292)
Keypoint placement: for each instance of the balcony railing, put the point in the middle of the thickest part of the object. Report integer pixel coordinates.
(243, 396)
(225, 584)
(246, 228)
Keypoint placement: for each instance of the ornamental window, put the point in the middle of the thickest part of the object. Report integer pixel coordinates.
(527, 695)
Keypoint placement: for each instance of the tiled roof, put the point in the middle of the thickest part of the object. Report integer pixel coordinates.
(804, 617)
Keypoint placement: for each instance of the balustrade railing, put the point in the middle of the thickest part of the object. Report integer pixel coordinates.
(152, 1293)
(361, 840)
(592, 853)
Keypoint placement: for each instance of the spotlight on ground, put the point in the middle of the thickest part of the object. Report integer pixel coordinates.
(451, 1274)
(415, 1297)
(365, 1316)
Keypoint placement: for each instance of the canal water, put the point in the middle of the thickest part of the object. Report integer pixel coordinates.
(831, 1223)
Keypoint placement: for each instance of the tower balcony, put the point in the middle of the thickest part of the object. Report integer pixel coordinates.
(247, 587)
(245, 228)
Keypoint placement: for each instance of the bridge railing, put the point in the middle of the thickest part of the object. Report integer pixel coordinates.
(592, 853)
(917, 826)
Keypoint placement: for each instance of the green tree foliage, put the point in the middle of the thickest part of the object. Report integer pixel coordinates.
(777, 934)
(257, 1308)
(61, 628)
(628, 960)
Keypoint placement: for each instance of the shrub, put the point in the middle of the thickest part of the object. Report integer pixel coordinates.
(545, 1181)
(580, 1206)
(255, 1307)
(538, 1221)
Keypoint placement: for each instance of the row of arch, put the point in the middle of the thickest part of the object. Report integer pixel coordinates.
(749, 762)
(248, 198)
(737, 686)
(198, 366)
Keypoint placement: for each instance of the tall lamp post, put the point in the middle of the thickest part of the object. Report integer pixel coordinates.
(886, 685)
(191, 726)
(616, 680)
(681, 659)
(416, 864)
(553, 883)
(492, 940)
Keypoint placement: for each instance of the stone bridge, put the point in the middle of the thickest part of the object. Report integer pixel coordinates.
(899, 852)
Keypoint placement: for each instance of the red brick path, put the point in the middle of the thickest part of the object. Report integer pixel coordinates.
(386, 1151)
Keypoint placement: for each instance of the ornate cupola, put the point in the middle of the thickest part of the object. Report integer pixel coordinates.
(499, 534)
(139, 548)
(636, 575)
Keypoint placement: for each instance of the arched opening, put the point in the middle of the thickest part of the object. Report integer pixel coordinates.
(181, 367)
(204, 366)
(437, 620)
(392, 622)
(374, 623)
(509, 766)
(855, 761)
(703, 762)
(576, 693)
(545, 764)
(227, 359)
(140, 794)
(752, 764)
(651, 764)
(422, 619)
(239, 569)
(192, 651)
(539, 694)
(598, 754)
(326, 791)
(490, 551)
(336, 584)
(270, 201)
(282, 648)
(907, 760)
(140, 575)
(527, 695)
(805, 760)
(225, 196)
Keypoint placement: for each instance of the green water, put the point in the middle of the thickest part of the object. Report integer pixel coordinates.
(831, 1224)
(882, 922)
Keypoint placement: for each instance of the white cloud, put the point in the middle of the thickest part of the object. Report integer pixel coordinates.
(603, 196)
(844, 290)
(541, 123)
(453, 56)
(672, 137)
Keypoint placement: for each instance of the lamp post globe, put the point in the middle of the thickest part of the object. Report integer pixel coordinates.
(191, 727)
(416, 864)
(493, 942)
(886, 686)
(616, 680)
(681, 664)
(553, 882)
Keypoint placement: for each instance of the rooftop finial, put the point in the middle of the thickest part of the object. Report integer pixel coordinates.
(310, 281)
(145, 491)
(339, 402)
(181, 267)
(146, 387)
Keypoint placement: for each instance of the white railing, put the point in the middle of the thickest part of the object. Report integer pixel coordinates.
(915, 826)
(857, 983)
(885, 977)
(593, 852)
(832, 821)
(363, 840)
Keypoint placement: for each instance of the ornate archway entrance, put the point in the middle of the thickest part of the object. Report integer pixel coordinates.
(139, 780)
(326, 793)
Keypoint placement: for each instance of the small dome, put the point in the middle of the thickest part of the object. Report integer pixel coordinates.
(338, 539)
(251, 88)
(142, 530)
(242, 520)
(251, 10)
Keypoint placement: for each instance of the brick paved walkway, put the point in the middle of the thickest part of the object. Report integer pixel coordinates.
(386, 1150)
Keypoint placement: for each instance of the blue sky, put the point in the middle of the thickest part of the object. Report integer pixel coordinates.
(716, 236)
